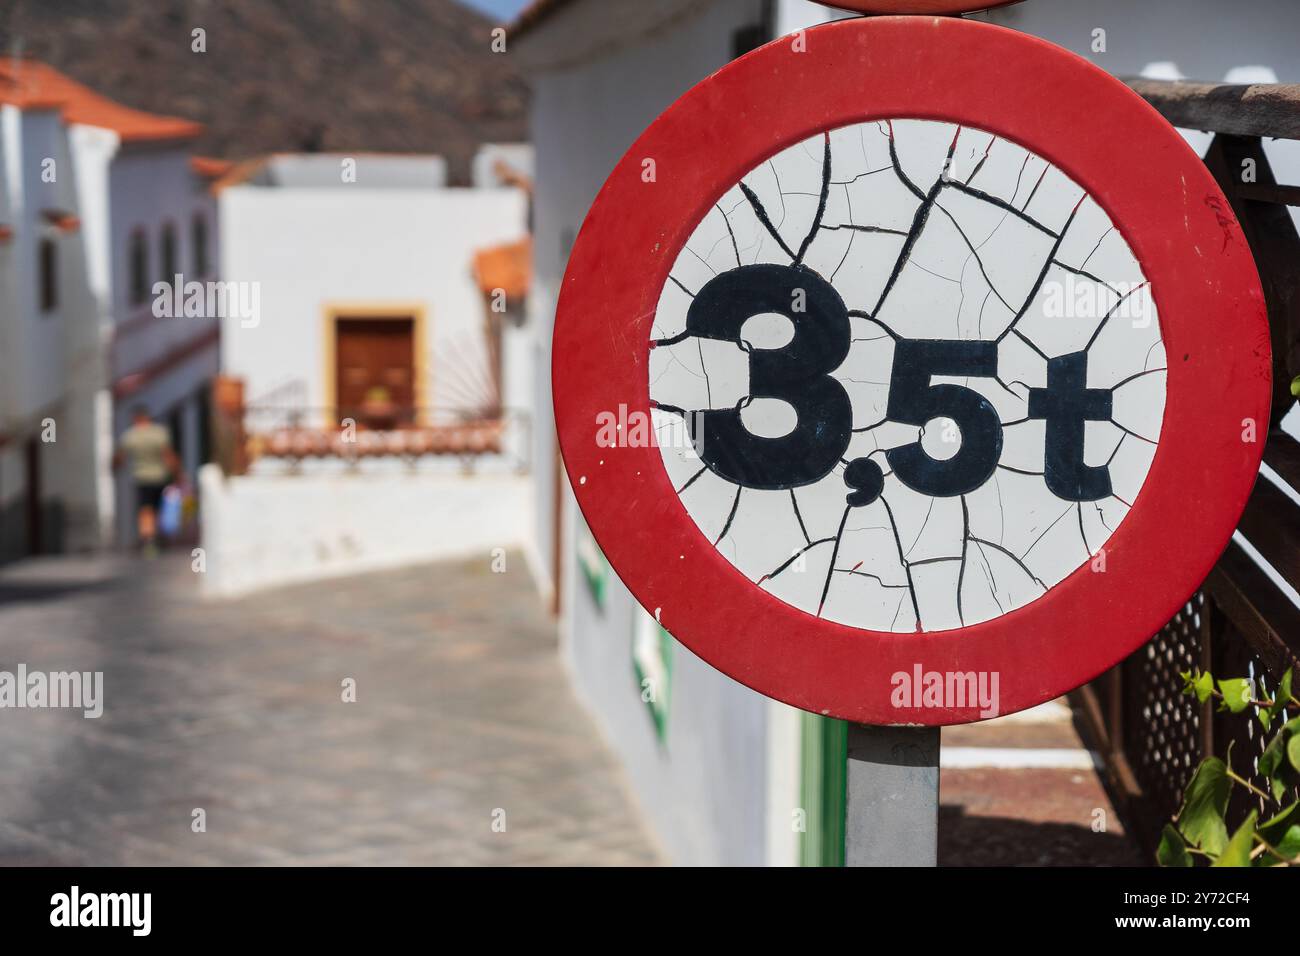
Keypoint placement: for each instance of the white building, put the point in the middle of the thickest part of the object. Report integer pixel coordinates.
(386, 307)
(98, 203)
(363, 271)
(720, 770)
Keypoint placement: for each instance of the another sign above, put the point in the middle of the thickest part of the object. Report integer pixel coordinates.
(916, 6)
(966, 379)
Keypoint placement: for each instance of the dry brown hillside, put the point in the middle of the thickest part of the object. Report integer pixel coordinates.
(383, 75)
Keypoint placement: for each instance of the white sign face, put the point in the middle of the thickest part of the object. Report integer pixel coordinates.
(907, 376)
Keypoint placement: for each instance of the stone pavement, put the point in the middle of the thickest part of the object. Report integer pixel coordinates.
(1022, 791)
(463, 717)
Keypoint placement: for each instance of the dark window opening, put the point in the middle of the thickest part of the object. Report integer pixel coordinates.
(138, 258)
(169, 262)
(199, 238)
(176, 429)
(203, 401)
(49, 275)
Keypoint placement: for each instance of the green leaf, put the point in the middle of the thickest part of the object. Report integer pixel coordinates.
(1204, 803)
(1288, 845)
(1282, 750)
(1172, 851)
(1237, 693)
(1283, 695)
(1282, 831)
(1202, 686)
(1270, 761)
(1237, 852)
(1295, 387)
(1278, 709)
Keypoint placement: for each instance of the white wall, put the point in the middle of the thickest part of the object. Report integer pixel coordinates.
(325, 171)
(711, 792)
(151, 187)
(262, 532)
(600, 75)
(39, 380)
(517, 156)
(1205, 39)
(35, 365)
(1246, 41)
(84, 422)
(313, 248)
(62, 363)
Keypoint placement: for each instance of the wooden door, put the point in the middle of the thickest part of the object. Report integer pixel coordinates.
(376, 371)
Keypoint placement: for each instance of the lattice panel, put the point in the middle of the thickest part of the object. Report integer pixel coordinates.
(1234, 658)
(1162, 727)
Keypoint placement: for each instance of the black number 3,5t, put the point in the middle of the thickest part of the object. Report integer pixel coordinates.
(799, 373)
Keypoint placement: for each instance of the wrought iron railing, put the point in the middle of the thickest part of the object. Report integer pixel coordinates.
(294, 434)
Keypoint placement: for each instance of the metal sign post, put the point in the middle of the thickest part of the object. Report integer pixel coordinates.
(940, 370)
(892, 796)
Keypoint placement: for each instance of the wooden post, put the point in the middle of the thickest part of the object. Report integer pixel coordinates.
(892, 796)
(228, 424)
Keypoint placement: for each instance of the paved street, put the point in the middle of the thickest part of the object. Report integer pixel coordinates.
(463, 718)
(462, 710)
(1022, 791)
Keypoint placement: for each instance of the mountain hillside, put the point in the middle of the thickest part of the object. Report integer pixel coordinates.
(349, 75)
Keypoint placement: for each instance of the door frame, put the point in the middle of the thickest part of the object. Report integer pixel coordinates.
(331, 312)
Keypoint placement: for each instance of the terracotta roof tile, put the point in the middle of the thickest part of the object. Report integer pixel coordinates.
(211, 168)
(32, 85)
(508, 267)
(61, 220)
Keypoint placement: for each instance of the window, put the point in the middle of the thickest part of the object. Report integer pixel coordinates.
(138, 263)
(49, 275)
(168, 254)
(199, 238)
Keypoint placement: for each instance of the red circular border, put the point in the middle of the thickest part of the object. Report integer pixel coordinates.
(1156, 191)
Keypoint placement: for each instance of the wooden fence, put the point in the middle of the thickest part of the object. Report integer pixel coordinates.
(1241, 622)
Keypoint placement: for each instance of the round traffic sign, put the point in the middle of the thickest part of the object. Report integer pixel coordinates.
(905, 389)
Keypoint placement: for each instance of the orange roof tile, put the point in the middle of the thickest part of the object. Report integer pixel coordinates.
(32, 85)
(508, 267)
(61, 220)
(210, 167)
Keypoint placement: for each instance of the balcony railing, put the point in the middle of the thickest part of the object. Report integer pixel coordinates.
(294, 434)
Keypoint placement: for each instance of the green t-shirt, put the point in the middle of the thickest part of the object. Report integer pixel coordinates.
(147, 446)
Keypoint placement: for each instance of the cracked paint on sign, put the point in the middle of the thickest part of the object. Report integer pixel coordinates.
(907, 376)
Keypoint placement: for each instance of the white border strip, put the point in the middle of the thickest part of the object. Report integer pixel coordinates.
(1018, 758)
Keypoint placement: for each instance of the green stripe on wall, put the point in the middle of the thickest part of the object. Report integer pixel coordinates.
(824, 756)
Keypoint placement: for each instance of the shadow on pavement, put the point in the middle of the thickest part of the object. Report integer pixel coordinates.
(966, 840)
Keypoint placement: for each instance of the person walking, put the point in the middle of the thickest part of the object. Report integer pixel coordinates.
(153, 463)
